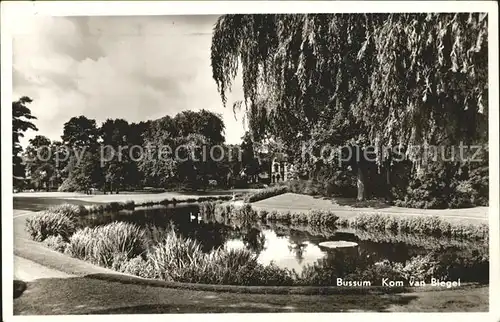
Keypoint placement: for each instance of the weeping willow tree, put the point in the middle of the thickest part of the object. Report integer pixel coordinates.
(358, 79)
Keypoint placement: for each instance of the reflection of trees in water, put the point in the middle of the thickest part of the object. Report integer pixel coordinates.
(253, 239)
(297, 243)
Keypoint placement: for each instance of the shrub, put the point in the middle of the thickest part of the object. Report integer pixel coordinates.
(69, 210)
(424, 225)
(172, 260)
(116, 206)
(68, 185)
(207, 210)
(263, 214)
(244, 213)
(139, 267)
(45, 224)
(419, 268)
(182, 260)
(56, 243)
(447, 185)
(129, 205)
(100, 244)
(265, 193)
(377, 271)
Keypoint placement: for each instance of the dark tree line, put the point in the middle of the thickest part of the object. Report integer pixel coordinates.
(170, 152)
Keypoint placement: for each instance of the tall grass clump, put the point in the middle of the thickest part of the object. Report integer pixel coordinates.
(45, 224)
(56, 243)
(182, 260)
(207, 210)
(175, 258)
(423, 225)
(265, 193)
(101, 244)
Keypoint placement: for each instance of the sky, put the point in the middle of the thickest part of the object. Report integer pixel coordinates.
(135, 68)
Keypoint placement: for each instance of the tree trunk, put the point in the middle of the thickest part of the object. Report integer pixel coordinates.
(388, 182)
(361, 183)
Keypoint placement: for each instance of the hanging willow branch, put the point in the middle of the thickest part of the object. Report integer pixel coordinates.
(371, 78)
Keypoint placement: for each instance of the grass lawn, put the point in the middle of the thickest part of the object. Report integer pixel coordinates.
(85, 295)
(347, 208)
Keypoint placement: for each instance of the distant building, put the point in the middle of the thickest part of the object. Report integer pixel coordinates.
(281, 168)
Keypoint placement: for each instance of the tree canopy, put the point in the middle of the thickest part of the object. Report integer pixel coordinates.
(21, 122)
(358, 78)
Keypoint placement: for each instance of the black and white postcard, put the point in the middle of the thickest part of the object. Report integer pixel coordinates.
(177, 158)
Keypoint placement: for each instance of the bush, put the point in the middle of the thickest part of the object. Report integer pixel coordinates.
(419, 268)
(447, 185)
(265, 193)
(139, 267)
(245, 213)
(116, 206)
(45, 224)
(129, 205)
(424, 225)
(182, 260)
(68, 185)
(56, 243)
(100, 244)
(72, 211)
(174, 258)
(338, 183)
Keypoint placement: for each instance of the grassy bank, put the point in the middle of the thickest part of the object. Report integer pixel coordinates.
(152, 252)
(416, 225)
(266, 193)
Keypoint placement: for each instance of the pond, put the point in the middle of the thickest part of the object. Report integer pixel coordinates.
(294, 247)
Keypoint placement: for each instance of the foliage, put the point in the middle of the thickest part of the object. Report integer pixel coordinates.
(425, 225)
(175, 146)
(56, 243)
(265, 193)
(153, 252)
(101, 244)
(45, 224)
(21, 122)
(419, 225)
(69, 210)
(333, 79)
(69, 185)
(87, 173)
(80, 132)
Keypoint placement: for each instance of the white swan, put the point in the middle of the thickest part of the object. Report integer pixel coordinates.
(234, 197)
(193, 217)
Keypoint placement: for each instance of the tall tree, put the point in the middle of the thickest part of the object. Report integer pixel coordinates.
(81, 135)
(38, 160)
(340, 71)
(80, 132)
(249, 161)
(21, 122)
(115, 136)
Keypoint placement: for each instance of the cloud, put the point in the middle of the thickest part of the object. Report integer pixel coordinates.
(136, 68)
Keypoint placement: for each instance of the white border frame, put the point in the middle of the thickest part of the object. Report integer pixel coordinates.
(16, 12)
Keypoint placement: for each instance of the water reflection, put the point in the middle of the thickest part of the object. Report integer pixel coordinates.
(288, 247)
